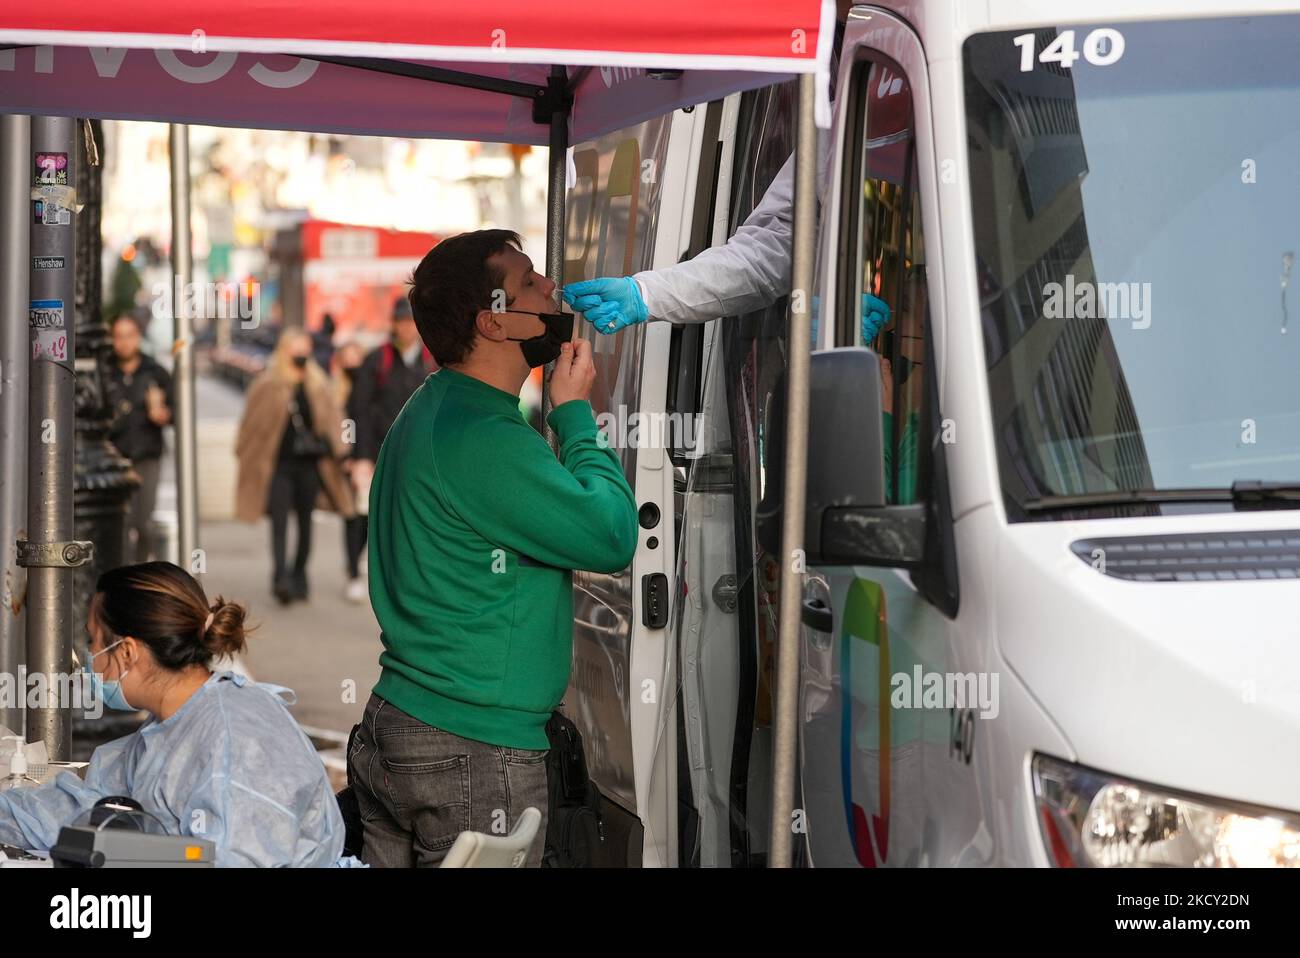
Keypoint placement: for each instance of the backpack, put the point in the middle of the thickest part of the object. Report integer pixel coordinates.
(575, 835)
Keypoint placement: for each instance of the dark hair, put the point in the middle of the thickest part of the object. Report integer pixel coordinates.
(136, 321)
(452, 283)
(160, 604)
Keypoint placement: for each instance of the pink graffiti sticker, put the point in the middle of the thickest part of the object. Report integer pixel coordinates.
(52, 168)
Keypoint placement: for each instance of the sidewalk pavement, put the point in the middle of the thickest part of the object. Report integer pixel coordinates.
(326, 649)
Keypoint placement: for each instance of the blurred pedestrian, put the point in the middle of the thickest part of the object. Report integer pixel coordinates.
(140, 392)
(347, 362)
(343, 370)
(380, 389)
(290, 449)
(322, 343)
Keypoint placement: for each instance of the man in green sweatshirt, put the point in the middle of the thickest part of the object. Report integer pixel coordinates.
(475, 526)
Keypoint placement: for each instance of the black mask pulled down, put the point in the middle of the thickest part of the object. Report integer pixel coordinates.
(543, 349)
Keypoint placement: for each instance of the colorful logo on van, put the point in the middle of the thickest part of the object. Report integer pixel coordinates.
(865, 623)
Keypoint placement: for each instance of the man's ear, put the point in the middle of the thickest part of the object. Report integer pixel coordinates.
(488, 325)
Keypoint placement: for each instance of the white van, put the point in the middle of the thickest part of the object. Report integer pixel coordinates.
(1052, 603)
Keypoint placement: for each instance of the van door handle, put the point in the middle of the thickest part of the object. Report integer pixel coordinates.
(817, 615)
(654, 600)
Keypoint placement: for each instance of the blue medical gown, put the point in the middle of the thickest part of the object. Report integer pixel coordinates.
(231, 765)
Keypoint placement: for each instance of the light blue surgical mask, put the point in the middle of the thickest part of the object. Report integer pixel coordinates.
(109, 691)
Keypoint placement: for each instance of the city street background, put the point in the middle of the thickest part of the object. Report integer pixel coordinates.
(313, 647)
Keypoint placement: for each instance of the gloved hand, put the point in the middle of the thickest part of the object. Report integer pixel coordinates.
(608, 303)
(875, 316)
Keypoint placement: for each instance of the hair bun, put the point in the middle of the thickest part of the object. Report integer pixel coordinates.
(225, 631)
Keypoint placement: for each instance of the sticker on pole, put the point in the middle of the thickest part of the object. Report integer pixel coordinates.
(45, 317)
(45, 314)
(55, 195)
(48, 262)
(45, 213)
(52, 168)
(50, 345)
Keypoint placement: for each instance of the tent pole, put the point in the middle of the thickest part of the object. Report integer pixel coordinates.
(183, 357)
(793, 561)
(15, 264)
(555, 195)
(421, 71)
(49, 553)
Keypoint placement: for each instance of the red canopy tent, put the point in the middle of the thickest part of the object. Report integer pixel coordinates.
(511, 71)
(278, 64)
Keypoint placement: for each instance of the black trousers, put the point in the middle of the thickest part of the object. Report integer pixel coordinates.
(294, 488)
(354, 542)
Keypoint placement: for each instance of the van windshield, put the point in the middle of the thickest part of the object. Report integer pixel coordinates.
(1136, 207)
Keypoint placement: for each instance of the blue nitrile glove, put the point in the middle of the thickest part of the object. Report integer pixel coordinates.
(875, 316)
(608, 303)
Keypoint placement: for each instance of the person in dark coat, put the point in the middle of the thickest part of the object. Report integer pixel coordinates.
(322, 342)
(380, 388)
(140, 391)
(290, 448)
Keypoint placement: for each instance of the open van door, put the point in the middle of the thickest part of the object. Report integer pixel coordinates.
(631, 208)
(724, 631)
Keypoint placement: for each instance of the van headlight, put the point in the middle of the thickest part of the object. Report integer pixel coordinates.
(1093, 820)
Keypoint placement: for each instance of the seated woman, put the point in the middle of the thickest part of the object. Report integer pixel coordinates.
(221, 758)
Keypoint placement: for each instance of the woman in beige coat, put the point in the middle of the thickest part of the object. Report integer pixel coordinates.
(290, 447)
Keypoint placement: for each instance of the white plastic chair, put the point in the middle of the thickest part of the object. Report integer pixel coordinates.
(476, 850)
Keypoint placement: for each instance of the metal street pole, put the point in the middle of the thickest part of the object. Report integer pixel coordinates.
(786, 719)
(15, 212)
(187, 484)
(49, 553)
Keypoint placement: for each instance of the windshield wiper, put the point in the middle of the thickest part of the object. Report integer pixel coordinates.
(1255, 490)
(1243, 492)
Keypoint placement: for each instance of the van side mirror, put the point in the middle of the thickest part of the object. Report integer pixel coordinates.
(846, 520)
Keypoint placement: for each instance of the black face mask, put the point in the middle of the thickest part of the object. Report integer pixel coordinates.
(300, 362)
(543, 349)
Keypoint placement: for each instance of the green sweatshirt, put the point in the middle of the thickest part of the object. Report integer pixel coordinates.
(474, 528)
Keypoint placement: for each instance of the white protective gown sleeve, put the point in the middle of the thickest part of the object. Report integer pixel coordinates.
(231, 765)
(751, 270)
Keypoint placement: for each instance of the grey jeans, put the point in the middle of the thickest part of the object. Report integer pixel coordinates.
(418, 787)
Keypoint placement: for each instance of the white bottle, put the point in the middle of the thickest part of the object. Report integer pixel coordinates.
(17, 777)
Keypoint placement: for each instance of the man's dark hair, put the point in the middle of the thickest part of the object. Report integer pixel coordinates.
(449, 287)
(134, 318)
